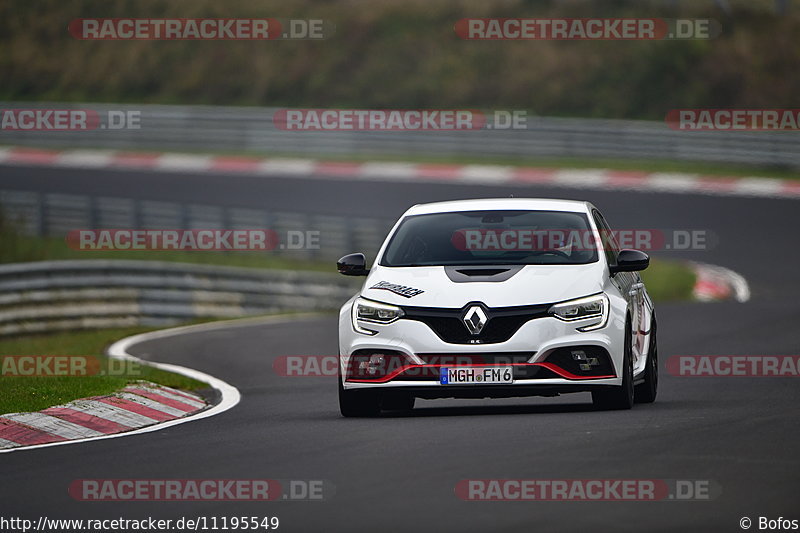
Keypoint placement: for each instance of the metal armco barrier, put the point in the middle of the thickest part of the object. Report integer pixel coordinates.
(67, 295)
(251, 129)
(54, 215)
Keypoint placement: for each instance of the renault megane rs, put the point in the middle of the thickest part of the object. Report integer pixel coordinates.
(497, 298)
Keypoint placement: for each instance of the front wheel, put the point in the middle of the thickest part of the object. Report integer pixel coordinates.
(646, 392)
(617, 398)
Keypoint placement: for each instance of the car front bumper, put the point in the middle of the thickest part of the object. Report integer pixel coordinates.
(532, 349)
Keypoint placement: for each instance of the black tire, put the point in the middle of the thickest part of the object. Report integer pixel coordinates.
(397, 401)
(646, 392)
(618, 398)
(359, 403)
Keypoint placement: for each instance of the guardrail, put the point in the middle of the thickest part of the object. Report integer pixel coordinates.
(251, 129)
(54, 215)
(67, 295)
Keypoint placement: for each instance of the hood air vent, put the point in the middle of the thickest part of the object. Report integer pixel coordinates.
(490, 273)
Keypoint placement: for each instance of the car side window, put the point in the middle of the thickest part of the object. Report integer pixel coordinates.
(610, 246)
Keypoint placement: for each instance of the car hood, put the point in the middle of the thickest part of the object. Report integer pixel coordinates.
(433, 287)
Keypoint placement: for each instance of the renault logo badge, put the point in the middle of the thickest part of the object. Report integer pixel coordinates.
(475, 319)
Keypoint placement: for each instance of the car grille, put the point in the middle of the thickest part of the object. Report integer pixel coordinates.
(501, 323)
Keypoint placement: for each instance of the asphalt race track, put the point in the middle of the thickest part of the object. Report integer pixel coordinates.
(398, 473)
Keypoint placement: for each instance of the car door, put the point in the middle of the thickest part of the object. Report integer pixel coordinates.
(629, 284)
(644, 322)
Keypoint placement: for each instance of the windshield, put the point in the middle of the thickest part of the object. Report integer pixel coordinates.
(492, 238)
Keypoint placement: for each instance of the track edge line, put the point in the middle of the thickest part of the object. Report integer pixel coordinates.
(230, 395)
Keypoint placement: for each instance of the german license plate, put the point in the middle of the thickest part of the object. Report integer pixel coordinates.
(476, 375)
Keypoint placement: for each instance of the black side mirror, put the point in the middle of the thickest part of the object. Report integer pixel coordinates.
(352, 265)
(630, 261)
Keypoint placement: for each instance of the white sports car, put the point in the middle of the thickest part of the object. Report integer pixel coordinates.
(497, 298)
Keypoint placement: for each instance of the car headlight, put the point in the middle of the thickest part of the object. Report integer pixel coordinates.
(373, 312)
(590, 307)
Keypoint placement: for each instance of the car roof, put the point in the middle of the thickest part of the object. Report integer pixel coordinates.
(502, 204)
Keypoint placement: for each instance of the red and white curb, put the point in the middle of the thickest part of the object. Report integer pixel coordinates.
(136, 406)
(139, 417)
(715, 283)
(424, 172)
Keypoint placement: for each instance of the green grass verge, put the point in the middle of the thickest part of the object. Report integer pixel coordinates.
(668, 280)
(24, 394)
(17, 248)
